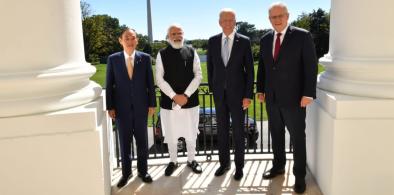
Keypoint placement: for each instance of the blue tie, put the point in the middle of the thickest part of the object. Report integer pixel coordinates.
(225, 51)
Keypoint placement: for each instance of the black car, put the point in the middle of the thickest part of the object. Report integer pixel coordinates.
(207, 139)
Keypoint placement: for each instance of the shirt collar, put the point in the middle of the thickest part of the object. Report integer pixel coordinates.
(230, 36)
(127, 55)
(283, 31)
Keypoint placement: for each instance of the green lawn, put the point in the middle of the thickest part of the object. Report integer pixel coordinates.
(255, 109)
(99, 76)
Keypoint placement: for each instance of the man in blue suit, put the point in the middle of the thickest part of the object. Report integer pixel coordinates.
(286, 80)
(230, 78)
(130, 98)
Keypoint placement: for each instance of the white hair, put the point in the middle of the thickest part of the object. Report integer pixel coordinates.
(226, 10)
(175, 45)
(174, 25)
(278, 4)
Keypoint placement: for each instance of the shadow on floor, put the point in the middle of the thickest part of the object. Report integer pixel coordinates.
(184, 181)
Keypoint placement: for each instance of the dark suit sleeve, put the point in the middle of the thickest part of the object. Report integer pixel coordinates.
(310, 66)
(150, 84)
(109, 86)
(210, 65)
(260, 71)
(249, 70)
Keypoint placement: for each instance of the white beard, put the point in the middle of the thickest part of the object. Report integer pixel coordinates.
(175, 45)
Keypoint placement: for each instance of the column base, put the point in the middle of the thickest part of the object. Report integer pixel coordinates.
(366, 77)
(64, 152)
(349, 144)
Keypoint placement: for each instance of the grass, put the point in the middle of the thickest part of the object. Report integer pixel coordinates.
(99, 76)
(254, 110)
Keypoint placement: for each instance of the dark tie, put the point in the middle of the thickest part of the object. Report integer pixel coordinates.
(277, 46)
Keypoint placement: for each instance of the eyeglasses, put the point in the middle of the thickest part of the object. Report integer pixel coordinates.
(175, 34)
(278, 17)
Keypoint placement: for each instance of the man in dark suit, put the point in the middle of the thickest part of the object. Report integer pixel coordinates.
(230, 78)
(286, 80)
(130, 97)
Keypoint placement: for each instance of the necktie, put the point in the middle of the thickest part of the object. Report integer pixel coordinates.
(130, 63)
(277, 46)
(225, 51)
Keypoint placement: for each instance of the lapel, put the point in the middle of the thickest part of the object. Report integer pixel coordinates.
(234, 48)
(219, 49)
(285, 42)
(137, 63)
(123, 64)
(271, 45)
(137, 60)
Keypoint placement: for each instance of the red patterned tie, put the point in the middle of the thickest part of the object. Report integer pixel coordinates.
(277, 46)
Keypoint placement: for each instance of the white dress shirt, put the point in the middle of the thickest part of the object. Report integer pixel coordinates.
(126, 56)
(230, 42)
(282, 36)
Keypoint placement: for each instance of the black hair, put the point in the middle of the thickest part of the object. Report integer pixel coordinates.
(125, 29)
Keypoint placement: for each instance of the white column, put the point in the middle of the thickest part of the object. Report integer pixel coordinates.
(361, 58)
(350, 127)
(54, 130)
(42, 66)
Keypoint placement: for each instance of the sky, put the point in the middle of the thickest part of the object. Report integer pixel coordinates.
(199, 18)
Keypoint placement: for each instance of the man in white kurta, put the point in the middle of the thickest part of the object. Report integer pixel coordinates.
(178, 75)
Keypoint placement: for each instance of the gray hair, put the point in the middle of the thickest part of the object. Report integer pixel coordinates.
(226, 10)
(278, 4)
(174, 25)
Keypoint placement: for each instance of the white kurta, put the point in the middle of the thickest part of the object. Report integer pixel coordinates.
(182, 122)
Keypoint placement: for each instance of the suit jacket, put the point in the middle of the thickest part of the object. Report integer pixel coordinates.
(238, 76)
(294, 73)
(124, 94)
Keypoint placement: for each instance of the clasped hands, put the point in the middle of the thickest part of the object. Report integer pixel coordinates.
(180, 99)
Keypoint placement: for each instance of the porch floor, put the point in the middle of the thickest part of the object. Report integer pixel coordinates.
(184, 181)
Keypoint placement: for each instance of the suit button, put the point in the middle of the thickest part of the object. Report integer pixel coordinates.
(273, 68)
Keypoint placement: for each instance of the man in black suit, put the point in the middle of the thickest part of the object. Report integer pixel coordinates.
(230, 78)
(286, 80)
(130, 97)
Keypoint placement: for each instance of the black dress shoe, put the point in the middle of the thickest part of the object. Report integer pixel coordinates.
(194, 166)
(238, 175)
(123, 181)
(273, 173)
(145, 177)
(170, 168)
(221, 170)
(299, 186)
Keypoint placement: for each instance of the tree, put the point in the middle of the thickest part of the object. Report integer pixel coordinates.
(320, 29)
(101, 34)
(303, 21)
(248, 30)
(143, 44)
(156, 46)
(318, 23)
(199, 43)
(86, 11)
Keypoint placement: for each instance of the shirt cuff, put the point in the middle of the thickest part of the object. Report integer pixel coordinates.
(172, 95)
(187, 93)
